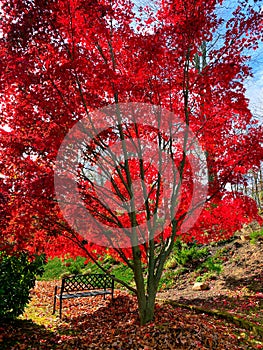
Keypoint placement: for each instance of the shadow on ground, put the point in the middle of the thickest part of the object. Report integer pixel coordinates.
(18, 334)
(253, 282)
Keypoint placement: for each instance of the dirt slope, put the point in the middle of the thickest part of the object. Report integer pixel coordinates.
(242, 269)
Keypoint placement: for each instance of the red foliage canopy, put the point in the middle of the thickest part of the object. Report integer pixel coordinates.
(61, 60)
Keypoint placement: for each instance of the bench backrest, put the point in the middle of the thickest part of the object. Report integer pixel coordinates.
(86, 282)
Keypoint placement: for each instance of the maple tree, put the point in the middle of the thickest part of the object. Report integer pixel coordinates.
(66, 61)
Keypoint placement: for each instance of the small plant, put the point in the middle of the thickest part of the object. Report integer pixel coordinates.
(171, 263)
(212, 264)
(167, 280)
(205, 277)
(255, 236)
(210, 268)
(17, 276)
(200, 278)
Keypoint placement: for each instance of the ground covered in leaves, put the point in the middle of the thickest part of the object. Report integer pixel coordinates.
(94, 323)
(227, 316)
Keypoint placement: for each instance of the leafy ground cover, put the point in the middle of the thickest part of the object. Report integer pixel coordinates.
(94, 323)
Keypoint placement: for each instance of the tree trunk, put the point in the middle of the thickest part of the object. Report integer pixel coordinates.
(146, 292)
(146, 304)
(146, 311)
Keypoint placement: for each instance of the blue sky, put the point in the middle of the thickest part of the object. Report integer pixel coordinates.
(255, 85)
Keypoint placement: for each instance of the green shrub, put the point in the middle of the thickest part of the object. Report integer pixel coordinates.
(255, 236)
(210, 268)
(17, 277)
(169, 276)
(187, 255)
(213, 264)
(206, 276)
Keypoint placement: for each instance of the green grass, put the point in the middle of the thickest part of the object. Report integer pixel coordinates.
(124, 273)
(53, 270)
(57, 268)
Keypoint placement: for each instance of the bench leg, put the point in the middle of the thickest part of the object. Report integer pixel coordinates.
(60, 308)
(55, 299)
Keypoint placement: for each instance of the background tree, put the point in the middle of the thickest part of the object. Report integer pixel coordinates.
(63, 60)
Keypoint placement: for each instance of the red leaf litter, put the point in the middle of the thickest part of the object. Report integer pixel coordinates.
(95, 323)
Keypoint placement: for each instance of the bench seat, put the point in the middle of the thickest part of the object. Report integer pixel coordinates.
(84, 294)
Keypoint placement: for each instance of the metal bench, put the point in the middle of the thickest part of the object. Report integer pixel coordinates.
(86, 285)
